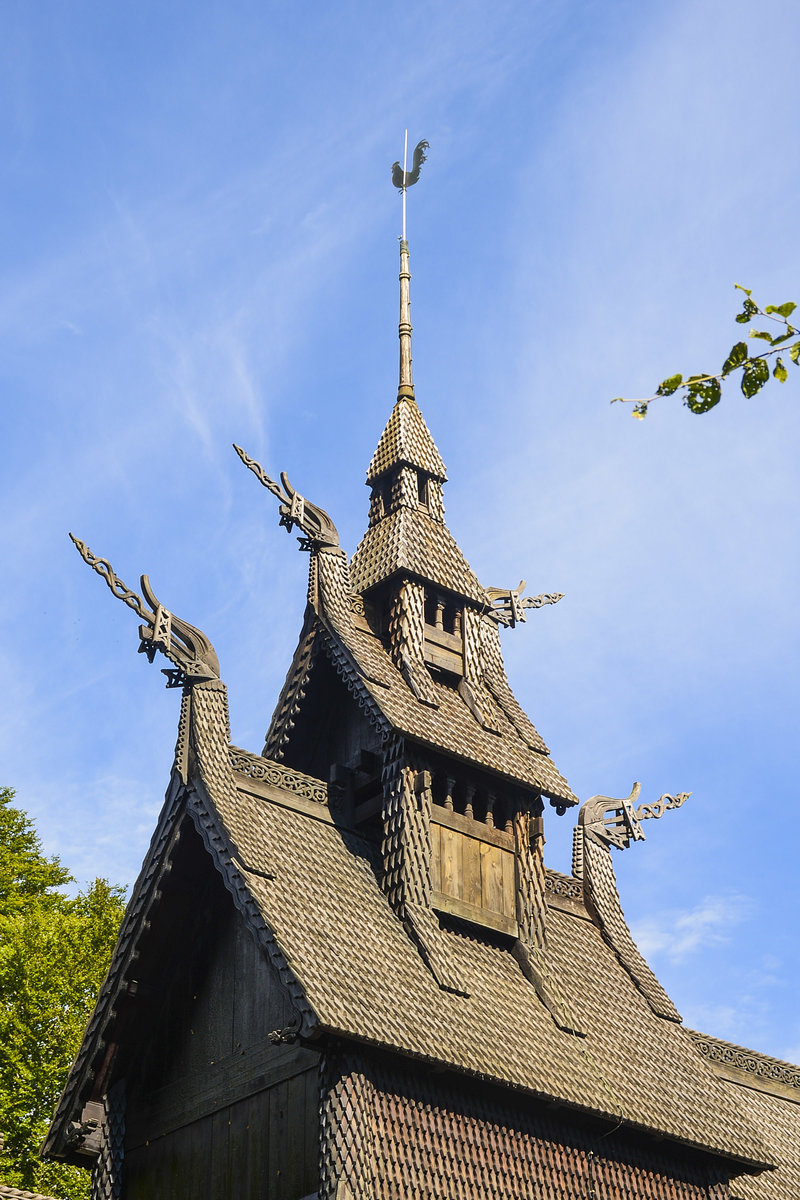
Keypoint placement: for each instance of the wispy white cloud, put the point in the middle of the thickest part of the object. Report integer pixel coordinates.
(676, 935)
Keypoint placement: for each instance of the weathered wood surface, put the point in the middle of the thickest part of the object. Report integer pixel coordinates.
(215, 1108)
(472, 871)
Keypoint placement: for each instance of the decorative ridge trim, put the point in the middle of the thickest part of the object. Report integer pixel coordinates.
(563, 885)
(775, 1070)
(256, 766)
(346, 666)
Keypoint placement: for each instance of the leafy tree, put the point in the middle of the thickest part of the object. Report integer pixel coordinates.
(702, 392)
(54, 952)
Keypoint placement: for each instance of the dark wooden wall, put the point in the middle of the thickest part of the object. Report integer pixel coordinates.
(214, 1109)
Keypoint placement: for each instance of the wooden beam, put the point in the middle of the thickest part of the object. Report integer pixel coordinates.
(473, 913)
(472, 828)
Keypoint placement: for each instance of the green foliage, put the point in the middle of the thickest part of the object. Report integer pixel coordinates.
(54, 952)
(749, 310)
(754, 376)
(703, 392)
(736, 357)
(668, 386)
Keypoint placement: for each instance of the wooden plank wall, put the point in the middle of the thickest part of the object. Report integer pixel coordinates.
(221, 1111)
(472, 871)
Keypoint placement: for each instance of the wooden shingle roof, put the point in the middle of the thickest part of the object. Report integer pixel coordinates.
(515, 751)
(413, 542)
(768, 1089)
(311, 887)
(407, 440)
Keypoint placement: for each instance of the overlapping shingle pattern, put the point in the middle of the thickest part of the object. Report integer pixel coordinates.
(769, 1091)
(364, 979)
(406, 439)
(412, 541)
(451, 727)
(479, 1142)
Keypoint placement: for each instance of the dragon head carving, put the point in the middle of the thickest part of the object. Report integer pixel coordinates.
(610, 822)
(193, 656)
(318, 529)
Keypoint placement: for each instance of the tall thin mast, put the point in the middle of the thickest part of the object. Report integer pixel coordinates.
(403, 180)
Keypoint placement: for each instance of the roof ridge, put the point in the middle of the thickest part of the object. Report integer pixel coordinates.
(742, 1057)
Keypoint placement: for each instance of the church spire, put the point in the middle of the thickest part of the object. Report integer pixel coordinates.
(406, 385)
(402, 180)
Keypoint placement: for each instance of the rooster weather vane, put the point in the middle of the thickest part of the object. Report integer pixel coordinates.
(402, 178)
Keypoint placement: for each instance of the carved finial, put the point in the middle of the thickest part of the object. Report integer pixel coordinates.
(320, 531)
(616, 822)
(186, 647)
(508, 604)
(404, 179)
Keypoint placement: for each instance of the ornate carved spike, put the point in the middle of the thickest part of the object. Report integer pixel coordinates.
(104, 569)
(661, 805)
(319, 530)
(509, 605)
(260, 474)
(616, 822)
(186, 647)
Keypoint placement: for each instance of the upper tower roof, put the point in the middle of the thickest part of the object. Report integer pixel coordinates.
(406, 441)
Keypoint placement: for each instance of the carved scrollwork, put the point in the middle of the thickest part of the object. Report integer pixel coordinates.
(563, 885)
(509, 605)
(616, 822)
(253, 766)
(320, 531)
(190, 650)
(746, 1060)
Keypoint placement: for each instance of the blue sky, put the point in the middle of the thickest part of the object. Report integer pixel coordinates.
(200, 246)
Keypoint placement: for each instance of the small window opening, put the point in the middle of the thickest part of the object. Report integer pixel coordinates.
(442, 613)
(422, 488)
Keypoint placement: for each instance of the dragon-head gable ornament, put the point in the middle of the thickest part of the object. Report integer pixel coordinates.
(319, 530)
(610, 822)
(193, 656)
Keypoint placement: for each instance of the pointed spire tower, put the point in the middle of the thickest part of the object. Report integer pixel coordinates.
(419, 588)
(397, 695)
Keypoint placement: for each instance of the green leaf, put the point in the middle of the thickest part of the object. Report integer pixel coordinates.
(669, 385)
(794, 352)
(755, 375)
(747, 291)
(761, 333)
(780, 372)
(748, 310)
(640, 410)
(736, 357)
(783, 310)
(776, 341)
(703, 394)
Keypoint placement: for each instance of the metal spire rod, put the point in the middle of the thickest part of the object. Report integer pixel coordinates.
(402, 180)
(405, 172)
